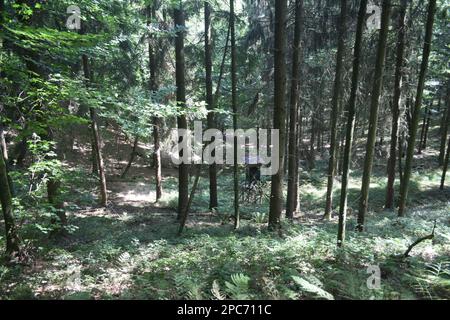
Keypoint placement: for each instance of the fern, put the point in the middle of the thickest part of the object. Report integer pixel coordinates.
(268, 285)
(187, 288)
(125, 262)
(312, 288)
(215, 290)
(260, 217)
(436, 278)
(238, 288)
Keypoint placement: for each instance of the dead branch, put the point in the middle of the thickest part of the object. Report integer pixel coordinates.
(415, 243)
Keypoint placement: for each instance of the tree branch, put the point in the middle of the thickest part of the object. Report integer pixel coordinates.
(428, 237)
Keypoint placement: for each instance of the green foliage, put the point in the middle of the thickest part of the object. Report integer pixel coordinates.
(434, 282)
(238, 288)
(312, 288)
(260, 217)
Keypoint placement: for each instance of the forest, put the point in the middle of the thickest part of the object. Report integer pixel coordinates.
(225, 150)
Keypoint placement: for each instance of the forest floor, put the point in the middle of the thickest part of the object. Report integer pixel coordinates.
(130, 250)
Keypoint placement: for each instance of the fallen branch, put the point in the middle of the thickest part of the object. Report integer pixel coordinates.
(428, 237)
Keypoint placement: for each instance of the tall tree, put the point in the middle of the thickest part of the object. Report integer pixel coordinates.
(152, 44)
(417, 105)
(446, 159)
(183, 170)
(337, 89)
(279, 118)
(234, 108)
(391, 166)
(374, 106)
(213, 202)
(12, 240)
(96, 138)
(291, 201)
(350, 128)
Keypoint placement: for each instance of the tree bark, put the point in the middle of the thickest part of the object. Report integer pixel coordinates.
(351, 111)
(183, 170)
(422, 132)
(4, 150)
(291, 201)
(53, 196)
(213, 202)
(427, 128)
(444, 127)
(445, 165)
(157, 158)
(391, 167)
(234, 107)
(155, 120)
(373, 119)
(132, 157)
(417, 104)
(191, 199)
(12, 239)
(337, 89)
(279, 120)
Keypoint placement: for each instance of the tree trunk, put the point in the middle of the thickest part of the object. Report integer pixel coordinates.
(157, 158)
(279, 119)
(389, 203)
(351, 110)
(445, 165)
(417, 105)
(213, 202)
(96, 139)
(444, 127)
(427, 128)
(422, 132)
(337, 89)
(156, 121)
(291, 202)
(183, 170)
(94, 161)
(401, 140)
(4, 150)
(53, 196)
(298, 155)
(12, 239)
(132, 157)
(191, 199)
(373, 119)
(234, 107)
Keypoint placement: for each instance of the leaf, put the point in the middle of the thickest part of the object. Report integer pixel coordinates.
(312, 288)
(216, 291)
(238, 287)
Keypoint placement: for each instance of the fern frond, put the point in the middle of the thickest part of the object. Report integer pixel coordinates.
(215, 290)
(312, 288)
